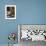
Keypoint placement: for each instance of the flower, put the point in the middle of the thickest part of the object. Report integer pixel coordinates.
(12, 36)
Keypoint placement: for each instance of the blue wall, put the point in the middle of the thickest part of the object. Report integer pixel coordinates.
(27, 12)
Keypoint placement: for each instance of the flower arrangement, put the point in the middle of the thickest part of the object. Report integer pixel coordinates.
(11, 37)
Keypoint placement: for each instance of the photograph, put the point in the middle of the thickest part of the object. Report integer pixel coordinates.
(10, 12)
(28, 33)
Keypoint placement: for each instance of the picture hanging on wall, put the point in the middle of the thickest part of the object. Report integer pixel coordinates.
(10, 11)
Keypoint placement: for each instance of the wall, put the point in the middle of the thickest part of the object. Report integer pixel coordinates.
(27, 12)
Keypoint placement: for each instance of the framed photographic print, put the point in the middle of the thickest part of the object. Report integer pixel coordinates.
(33, 32)
(10, 12)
